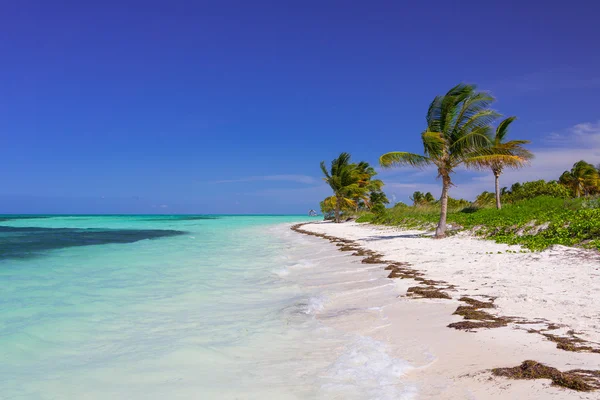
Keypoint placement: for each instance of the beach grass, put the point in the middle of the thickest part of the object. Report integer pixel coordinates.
(534, 223)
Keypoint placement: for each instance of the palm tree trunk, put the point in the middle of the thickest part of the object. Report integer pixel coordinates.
(337, 209)
(440, 231)
(498, 204)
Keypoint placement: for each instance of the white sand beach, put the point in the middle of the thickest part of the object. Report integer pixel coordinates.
(554, 292)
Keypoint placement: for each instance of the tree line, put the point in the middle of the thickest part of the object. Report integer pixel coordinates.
(459, 132)
(354, 187)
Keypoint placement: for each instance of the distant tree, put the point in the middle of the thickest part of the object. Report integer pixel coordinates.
(529, 190)
(429, 198)
(510, 154)
(458, 131)
(418, 198)
(378, 197)
(344, 179)
(400, 205)
(373, 187)
(582, 179)
(458, 203)
(327, 209)
(354, 187)
(484, 199)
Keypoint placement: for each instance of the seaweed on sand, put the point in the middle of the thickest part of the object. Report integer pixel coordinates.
(427, 292)
(581, 380)
(474, 318)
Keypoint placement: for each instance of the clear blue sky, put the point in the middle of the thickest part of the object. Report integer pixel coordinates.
(229, 106)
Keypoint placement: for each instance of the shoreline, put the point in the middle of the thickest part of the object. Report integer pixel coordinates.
(489, 331)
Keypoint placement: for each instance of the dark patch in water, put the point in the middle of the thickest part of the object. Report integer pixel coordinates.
(26, 242)
(17, 217)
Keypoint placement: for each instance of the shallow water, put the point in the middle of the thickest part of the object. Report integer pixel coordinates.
(187, 307)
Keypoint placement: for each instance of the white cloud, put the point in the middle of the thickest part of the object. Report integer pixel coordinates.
(585, 135)
(281, 178)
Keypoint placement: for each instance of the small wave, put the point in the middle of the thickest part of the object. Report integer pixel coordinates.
(301, 264)
(315, 304)
(366, 370)
(281, 272)
(303, 308)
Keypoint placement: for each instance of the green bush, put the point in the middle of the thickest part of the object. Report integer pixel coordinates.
(485, 199)
(565, 222)
(366, 217)
(530, 190)
(378, 209)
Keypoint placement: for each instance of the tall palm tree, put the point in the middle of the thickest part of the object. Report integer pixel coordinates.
(458, 130)
(583, 178)
(511, 154)
(344, 179)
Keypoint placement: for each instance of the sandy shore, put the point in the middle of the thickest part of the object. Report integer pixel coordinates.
(548, 295)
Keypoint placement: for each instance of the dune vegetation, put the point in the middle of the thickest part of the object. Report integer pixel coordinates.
(535, 222)
(462, 130)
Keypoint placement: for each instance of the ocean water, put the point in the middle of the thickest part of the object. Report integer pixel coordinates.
(188, 307)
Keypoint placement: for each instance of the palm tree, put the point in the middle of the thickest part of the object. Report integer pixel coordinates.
(458, 130)
(428, 198)
(417, 198)
(378, 197)
(366, 182)
(512, 154)
(582, 179)
(344, 179)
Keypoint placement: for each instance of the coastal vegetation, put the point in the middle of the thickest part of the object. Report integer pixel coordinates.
(536, 215)
(519, 155)
(354, 188)
(583, 179)
(460, 132)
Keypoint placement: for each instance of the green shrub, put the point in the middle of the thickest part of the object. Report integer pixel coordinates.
(530, 190)
(485, 199)
(378, 209)
(566, 221)
(366, 217)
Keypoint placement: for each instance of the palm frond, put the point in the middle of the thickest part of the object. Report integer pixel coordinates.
(502, 129)
(515, 143)
(494, 161)
(476, 139)
(325, 171)
(480, 119)
(398, 158)
(474, 108)
(433, 115)
(348, 202)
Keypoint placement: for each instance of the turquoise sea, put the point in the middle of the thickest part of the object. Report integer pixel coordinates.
(182, 307)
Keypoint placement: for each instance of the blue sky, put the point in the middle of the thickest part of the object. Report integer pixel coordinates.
(229, 106)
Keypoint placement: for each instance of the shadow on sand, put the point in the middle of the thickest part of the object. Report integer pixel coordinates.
(401, 236)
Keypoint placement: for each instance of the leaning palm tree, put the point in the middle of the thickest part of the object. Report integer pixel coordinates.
(582, 179)
(458, 130)
(345, 181)
(511, 154)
